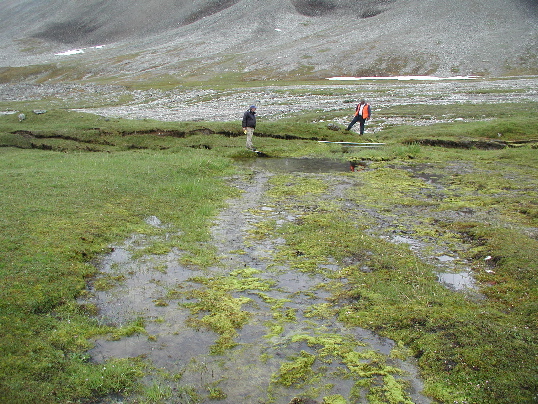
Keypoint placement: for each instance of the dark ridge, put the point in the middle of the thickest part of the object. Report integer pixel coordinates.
(312, 8)
(370, 13)
(155, 132)
(461, 144)
(362, 8)
(67, 32)
(213, 7)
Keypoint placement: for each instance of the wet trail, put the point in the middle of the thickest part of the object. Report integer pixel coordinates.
(279, 350)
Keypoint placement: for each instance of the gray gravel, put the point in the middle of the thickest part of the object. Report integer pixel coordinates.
(271, 38)
(273, 102)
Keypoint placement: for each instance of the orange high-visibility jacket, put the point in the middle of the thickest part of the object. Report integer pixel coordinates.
(365, 111)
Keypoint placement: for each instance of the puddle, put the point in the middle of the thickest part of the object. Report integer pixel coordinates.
(446, 258)
(457, 281)
(414, 245)
(300, 165)
(246, 372)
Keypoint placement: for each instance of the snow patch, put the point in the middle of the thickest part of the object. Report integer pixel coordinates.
(405, 78)
(77, 51)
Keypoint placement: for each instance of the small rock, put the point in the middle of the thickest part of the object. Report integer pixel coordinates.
(154, 221)
(333, 126)
(22, 117)
(39, 111)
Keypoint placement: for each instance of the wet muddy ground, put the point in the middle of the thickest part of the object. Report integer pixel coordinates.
(275, 300)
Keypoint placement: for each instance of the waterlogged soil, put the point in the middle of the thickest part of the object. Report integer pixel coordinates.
(244, 330)
(277, 298)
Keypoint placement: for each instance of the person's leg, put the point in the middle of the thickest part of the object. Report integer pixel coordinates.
(250, 133)
(353, 122)
(361, 124)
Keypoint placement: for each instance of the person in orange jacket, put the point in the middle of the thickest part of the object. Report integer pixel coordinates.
(362, 114)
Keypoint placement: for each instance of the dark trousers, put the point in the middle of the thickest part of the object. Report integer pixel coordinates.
(360, 120)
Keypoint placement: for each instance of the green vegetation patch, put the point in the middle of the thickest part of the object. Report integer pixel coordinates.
(469, 343)
(291, 185)
(468, 349)
(334, 355)
(216, 309)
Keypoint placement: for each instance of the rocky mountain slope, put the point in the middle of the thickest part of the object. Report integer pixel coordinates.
(261, 39)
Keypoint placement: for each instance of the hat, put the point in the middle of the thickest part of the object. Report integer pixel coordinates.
(252, 106)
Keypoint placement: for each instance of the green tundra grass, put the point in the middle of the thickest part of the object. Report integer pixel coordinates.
(72, 184)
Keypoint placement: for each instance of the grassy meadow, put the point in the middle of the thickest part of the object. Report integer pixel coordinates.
(73, 183)
(58, 211)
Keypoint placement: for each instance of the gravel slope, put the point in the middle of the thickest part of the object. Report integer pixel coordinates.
(274, 102)
(272, 38)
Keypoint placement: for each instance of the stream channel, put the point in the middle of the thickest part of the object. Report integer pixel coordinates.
(276, 297)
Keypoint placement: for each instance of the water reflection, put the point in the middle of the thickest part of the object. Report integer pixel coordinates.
(459, 281)
(302, 165)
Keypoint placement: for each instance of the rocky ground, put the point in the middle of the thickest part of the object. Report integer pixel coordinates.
(273, 102)
(267, 39)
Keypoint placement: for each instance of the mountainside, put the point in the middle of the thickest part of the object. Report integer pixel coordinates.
(261, 39)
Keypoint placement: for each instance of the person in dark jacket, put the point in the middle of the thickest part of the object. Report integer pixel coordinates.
(249, 124)
(362, 114)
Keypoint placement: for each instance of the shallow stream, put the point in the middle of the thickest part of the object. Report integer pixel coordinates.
(284, 322)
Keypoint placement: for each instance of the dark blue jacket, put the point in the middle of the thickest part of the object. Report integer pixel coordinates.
(249, 119)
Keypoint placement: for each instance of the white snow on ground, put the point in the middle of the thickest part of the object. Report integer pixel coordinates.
(70, 52)
(77, 51)
(405, 78)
